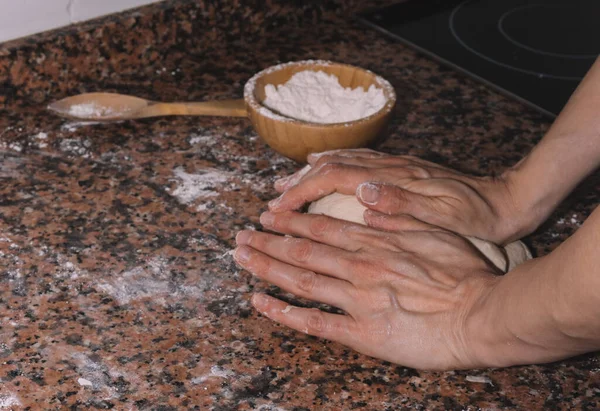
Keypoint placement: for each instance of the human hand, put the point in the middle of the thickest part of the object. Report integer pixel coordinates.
(481, 207)
(404, 302)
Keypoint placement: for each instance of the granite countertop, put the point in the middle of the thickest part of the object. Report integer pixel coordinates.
(117, 288)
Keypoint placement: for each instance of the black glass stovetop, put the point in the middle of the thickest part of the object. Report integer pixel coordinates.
(535, 50)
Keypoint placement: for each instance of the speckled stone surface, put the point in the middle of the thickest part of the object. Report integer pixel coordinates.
(116, 286)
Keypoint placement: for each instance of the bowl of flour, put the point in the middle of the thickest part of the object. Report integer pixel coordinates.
(311, 106)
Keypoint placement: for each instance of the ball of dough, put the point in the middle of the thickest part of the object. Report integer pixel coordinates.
(346, 207)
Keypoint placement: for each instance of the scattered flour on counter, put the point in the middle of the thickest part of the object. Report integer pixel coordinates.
(318, 97)
(145, 281)
(95, 373)
(9, 401)
(153, 281)
(10, 165)
(206, 139)
(226, 208)
(40, 138)
(76, 147)
(215, 372)
(15, 146)
(73, 126)
(194, 186)
(84, 383)
(269, 407)
(482, 379)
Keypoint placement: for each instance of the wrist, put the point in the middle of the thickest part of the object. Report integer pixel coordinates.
(512, 323)
(521, 209)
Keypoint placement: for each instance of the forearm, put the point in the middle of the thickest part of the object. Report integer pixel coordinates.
(569, 152)
(546, 309)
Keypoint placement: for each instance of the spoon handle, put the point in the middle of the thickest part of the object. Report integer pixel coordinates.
(223, 108)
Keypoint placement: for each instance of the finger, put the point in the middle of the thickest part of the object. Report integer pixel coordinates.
(308, 172)
(284, 183)
(320, 228)
(397, 222)
(342, 156)
(303, 283)
(326, 230)
(320, 182)
(347, 153)
(374, 159)
(389, 199)
(340, 328)
(330, 178)
(299, 252)
(389, 163)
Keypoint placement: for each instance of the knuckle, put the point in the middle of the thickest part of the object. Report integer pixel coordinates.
(306, 281)
(410, 157)
(301, 250)
(319, 225)
(261, 265)
(357, 264)
(419, 172)
(330, 168)
(323, 159)
(395, 197)
(315, 322)
(280, 220)
(361, 235)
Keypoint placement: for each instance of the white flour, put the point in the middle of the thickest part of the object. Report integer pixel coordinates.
(8, 401)
(90, 110)
(318, 97)
(194, 186)
(215, 372)
(70, 127)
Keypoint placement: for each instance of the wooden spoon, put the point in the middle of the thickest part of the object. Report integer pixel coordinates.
(114, 107)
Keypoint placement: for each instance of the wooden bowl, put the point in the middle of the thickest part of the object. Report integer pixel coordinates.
(296, 139)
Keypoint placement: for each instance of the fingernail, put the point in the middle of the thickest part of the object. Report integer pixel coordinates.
(267, 218)
(316, 156)
(258, 299)
(374, 218)
(368, 193)
(273, 204)
(282, 181)
(242, 238)
(242, 254)
(312, 156)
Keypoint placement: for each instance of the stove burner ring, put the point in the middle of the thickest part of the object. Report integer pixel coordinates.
(452, 26)
(532, 49)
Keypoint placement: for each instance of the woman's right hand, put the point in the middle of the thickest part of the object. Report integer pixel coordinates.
(482, 207)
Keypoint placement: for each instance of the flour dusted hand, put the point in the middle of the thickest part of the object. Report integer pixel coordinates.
(404, 303)
(480, 207)
(443, 309)
(347, 207)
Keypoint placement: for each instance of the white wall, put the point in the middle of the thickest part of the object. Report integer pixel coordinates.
(19, 18)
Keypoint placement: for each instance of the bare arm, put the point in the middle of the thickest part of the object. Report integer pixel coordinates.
(546, 309)
(568, 153)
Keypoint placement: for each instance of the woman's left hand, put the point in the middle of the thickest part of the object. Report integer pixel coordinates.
(408, 295)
